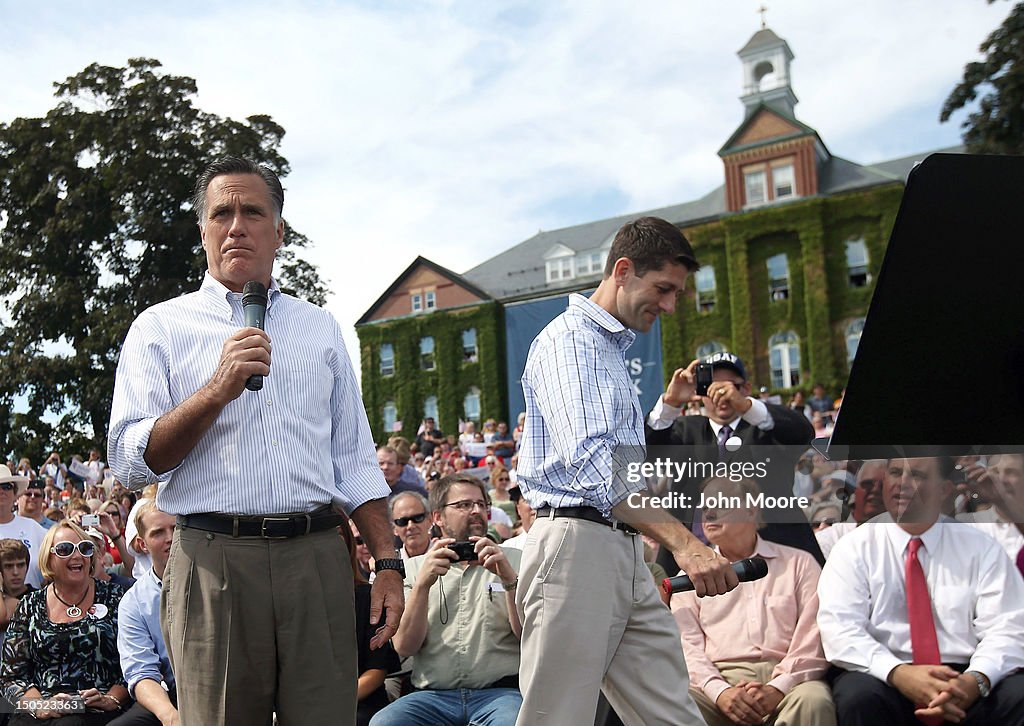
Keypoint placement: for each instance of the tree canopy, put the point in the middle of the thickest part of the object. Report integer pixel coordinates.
(96, 226)
(997, 125)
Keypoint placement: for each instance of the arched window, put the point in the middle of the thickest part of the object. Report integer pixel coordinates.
(427, 353)
(784, 357)
(430, 408)
(853, 333)
(710, 348)
(390, 416)
(387, 359)
(471, 405)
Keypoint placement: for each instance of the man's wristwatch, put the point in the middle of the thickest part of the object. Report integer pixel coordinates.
(390, 563)
(984, 687)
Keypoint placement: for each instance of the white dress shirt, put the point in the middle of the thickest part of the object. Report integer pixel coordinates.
(663, 415)
(977, 600)
(300, 442)
(991, 523)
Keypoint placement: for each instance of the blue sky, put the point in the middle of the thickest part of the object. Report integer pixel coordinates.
(458, 129)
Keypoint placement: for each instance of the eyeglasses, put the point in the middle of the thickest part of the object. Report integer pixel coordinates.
(468, 505)
(66, 549)
(828, 522)
(415, 519)
(359, 541)
(8, 486)
(34, 494)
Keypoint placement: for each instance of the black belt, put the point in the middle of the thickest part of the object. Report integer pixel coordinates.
(588, 513)
(269, 527)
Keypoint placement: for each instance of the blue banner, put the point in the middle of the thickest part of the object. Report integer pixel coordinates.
(523, 321)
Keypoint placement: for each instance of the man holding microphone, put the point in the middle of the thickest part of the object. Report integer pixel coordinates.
(257, 578)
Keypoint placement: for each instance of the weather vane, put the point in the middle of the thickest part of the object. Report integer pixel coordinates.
(763, 9)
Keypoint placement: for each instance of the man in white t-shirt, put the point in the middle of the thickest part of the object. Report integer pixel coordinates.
(22, 529)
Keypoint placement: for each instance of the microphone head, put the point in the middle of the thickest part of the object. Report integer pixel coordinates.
(254, 293)
(753, 569)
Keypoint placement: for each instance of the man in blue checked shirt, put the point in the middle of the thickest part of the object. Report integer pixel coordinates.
(591, 617)
(144, 659)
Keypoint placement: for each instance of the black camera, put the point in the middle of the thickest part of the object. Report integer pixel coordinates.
(705, 374)
(465, 551)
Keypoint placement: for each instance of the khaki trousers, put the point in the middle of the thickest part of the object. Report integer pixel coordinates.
(593, 622)
(807, 704)
(256, 626)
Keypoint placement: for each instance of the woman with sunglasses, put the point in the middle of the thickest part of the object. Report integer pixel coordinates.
(60, 655)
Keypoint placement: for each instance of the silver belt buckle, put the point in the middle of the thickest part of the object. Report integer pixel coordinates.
(263, 527)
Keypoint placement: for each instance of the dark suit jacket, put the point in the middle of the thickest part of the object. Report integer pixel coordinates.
(691, 438)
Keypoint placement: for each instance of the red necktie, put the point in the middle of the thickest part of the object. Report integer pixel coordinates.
(924, 643)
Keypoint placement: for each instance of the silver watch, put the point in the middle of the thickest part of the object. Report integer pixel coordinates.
(984, 688)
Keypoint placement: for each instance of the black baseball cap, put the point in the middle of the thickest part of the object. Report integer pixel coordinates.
(727, 360)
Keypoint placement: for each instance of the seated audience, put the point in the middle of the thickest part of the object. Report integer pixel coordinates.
(13, 526)
(393, 470)
(31, 501)
(1005, 520)
(504, 444)
(460, 621)
(144, 661)
(754, 654)
(924, 616)
(13, 568)
(500, 481)
(867, 503)
(62, 642)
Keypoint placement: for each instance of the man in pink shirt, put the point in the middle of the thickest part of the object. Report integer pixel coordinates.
(754, 654)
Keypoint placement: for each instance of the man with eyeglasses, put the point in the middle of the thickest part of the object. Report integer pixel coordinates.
(409, 514)
(31, 504)
(17, 527)
(460, 620)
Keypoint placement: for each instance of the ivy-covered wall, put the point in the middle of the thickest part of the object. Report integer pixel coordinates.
(451, 378)
(821, 303)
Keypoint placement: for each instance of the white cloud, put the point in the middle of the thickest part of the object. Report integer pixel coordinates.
(457, 129)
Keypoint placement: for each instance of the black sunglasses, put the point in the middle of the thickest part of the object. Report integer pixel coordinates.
(415, 519)
(8, 486)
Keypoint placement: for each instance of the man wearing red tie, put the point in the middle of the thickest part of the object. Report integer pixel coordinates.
(924, 615)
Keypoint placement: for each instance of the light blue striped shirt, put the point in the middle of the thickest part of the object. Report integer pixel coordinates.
(140, 641)
(583, 422)
(299, 443)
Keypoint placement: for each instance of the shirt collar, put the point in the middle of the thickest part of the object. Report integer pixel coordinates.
(220, 292)
(716, 427)
(762, 548)
(930, 538)
(618, 332)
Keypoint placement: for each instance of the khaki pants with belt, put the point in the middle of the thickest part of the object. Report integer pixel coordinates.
(807, 704)
(256, 626)
(592, 621)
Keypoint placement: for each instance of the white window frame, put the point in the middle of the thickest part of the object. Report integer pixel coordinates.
(417, 303)
(430, 300)
(748, 176)
(467, 356)
(853, 333)
(390, 371)
(707, 297)
(857, 266)
(776, 290)
(389, 415)
(430, 409)
(472, 397)
(709, 348)
(560, 268)
(787, 346)
(424, 353)
(792, 181)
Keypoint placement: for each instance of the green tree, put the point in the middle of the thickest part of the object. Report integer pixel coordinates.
(96, 226)
(997, 125)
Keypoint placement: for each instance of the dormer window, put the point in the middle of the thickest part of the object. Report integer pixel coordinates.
(560, 263)
(765, 183)
(589, 263)
(754, 183)
(783, 183)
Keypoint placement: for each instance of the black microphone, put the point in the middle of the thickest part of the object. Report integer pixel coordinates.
(254, 310)
(746, 570)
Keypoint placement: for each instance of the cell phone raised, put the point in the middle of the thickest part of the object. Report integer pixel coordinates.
(705, 375)
(90, 520)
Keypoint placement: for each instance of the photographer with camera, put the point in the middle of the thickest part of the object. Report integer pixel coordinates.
(460, 619)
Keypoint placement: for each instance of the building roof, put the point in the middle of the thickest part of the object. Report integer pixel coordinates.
(424, 262)
(520, 272)
(763, 37)
(800, 129)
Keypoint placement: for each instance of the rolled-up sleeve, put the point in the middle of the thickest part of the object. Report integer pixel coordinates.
(357, 474)
(141, 396)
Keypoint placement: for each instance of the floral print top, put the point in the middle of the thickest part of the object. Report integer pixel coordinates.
(62, 657)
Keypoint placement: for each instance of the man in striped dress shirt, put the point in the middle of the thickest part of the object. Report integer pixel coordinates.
(591, 617)
(257, 607)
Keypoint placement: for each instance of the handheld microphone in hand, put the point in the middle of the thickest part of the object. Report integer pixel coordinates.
(746, 570)
(254, 310)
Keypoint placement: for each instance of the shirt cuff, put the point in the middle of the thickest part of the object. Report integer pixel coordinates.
(662, 415)
(136, 442)
(990, 668)
(784, 682)
(758, 415)
(882, 665)
(714, 688)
